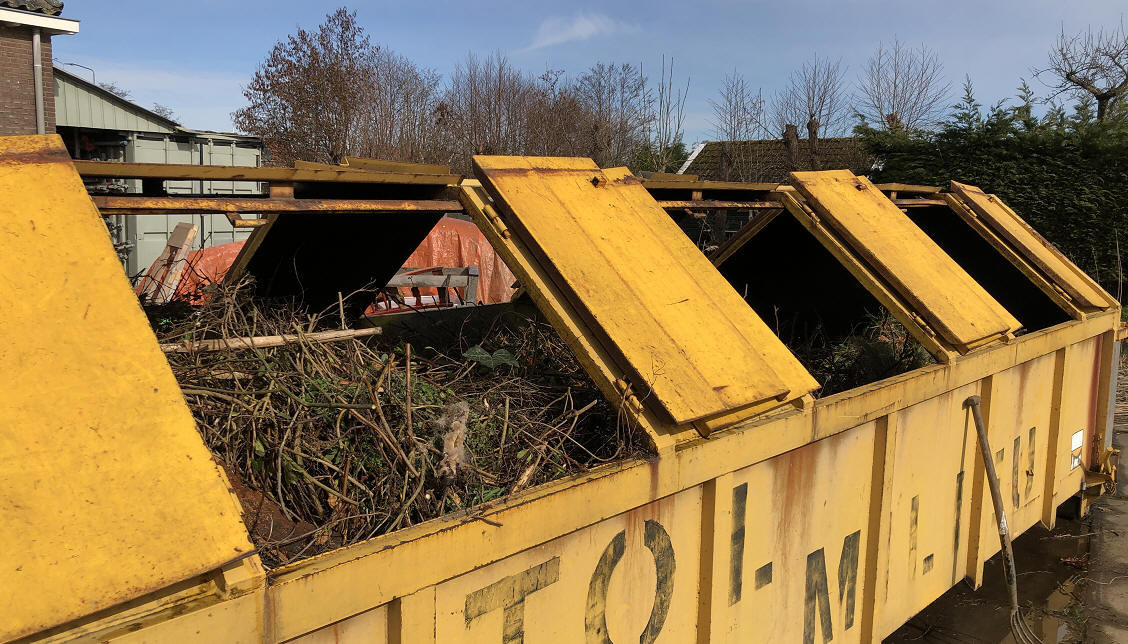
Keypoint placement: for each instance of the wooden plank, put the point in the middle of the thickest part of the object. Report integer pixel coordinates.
(1045, 256)
(266, 341)
(879, 235)
(159, 284)
(918, 202)
(239, 266)
(358, 164)
(707, 204)
(380, 165)
(698, 185)
(746, 232)
(909, 188)
(115, 170)
(142, 205)
(685, 334)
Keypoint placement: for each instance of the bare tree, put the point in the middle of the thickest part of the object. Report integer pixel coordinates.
(560, 121)
(1089, 63)
(738, 117)
(902, 89)
(665, 127)
(815, 98)
(166, 112)
(485, 109)
(620, 106)
(115, 89)
(397, 115)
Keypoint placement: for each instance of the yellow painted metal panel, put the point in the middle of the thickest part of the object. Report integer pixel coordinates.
(106, 489)
(680, 328)
(794, 565)
(629, 578)
(588, 348)
(1078, 418)
(369, 627)
(928, 506)
(1018, 422)
(1024, 239)
(233, 620)
(885, 239)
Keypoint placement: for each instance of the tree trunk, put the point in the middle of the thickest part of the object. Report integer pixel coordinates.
(720, 224)
(813, 141)
(791, 146)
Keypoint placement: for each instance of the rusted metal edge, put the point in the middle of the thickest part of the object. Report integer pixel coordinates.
(141, 205)
(711, 204)
(116, 170)
(907, 188)
(663, 184)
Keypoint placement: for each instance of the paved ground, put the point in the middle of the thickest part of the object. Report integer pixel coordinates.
(1106, 600)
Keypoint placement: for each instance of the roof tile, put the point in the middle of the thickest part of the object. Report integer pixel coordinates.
(766, 160)
(49, 7)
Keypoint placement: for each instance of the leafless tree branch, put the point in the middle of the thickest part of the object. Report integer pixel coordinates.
(902, 88)
(1089, 62)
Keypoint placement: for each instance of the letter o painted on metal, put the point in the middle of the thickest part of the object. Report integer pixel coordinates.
(657, 540)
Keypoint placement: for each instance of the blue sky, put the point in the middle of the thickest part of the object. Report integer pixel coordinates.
(194, 56)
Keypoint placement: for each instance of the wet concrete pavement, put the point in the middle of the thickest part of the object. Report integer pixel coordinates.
(1051, 571)
(1106, 601)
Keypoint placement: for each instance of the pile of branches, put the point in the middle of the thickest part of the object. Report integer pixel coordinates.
(878, 347)
(330, 443)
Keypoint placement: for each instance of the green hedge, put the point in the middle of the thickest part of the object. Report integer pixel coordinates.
(1066, 174)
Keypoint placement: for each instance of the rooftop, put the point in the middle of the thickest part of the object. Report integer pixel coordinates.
(48, 7)
(767, 161)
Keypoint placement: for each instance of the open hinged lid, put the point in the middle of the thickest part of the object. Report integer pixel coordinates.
(944, 308)
(616, 274)
(107, 491)
(1030, 252)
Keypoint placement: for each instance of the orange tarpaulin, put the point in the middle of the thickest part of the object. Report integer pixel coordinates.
(452, 243)
(456, 243)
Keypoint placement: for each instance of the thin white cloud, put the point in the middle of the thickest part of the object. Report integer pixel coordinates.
(583, 26)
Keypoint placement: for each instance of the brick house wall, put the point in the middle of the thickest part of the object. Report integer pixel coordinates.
(17, 93)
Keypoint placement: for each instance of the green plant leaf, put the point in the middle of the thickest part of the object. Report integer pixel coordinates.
(479, 355)
(501, 356)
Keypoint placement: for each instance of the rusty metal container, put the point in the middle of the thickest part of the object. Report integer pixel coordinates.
(768, 513)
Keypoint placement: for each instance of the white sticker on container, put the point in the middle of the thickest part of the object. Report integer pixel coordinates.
(1075, 445)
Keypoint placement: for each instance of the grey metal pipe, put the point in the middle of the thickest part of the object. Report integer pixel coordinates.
(37, 78)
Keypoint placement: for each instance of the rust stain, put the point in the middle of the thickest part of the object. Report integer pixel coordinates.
(793, 476)
(175, 205)
(36, 157)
